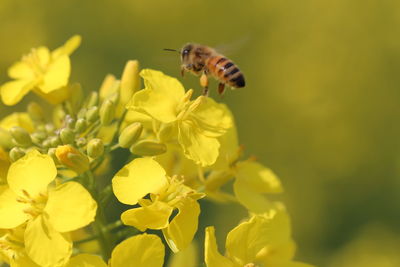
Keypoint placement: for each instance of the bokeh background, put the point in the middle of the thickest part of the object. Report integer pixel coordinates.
(321, 105)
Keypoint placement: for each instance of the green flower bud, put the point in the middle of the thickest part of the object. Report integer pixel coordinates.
(67, 136)
(72, 158)
(92, 100)
(82, 113)
(52, 153)
(38, 137)
(16, 153)
(5, 139)
(130, 135)
(47, 143)
(95, 148)
(21, 136)
(49, 128)
(148, 148)
(92, 114)
(70, 122)
(80, 125)
(35, 112)
(76, 98)
(130, 83)
(55, 141)
(81, 142)
(107, 111)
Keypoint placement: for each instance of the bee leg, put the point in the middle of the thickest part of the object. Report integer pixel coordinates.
(204, 83)
(221, 89)
(183, 71)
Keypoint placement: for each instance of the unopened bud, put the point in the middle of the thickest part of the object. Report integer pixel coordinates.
(67, 136)
(16, 153)
(21, 136)
(95, 148)
(35, 112)
(52, 153)
(72, 158)
(82, 113)
(92, 100)
(148, 148)
(70, 122)
(92, 114)
(55, 141)
(130, 135)
(49, 128)
(130, 83)
(38, 137)
(76, 97)
(81, 142)
(5, 139)
(107, 111)
(80, 125)
(47, 143)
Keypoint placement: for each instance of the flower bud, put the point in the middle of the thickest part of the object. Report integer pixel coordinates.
(130, 83)
(52, 153)
(82, 113)
(76, 98)
(80, 125)
(49, 128)
(70, 122)
(81, 142)
(47, 143)
(95, 148)
(35, 112)
(148, 148)
(130, 135)
(38, 137)
(55, 141)
(107, 111)
(16, 153)
(21, 136)
(72, 158)
(93, 100)
(67, 136)
(92, 114)
(5, 139)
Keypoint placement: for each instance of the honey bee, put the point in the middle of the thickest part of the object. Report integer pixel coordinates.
(205, 61)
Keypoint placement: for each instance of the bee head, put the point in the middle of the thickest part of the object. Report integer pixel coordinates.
(185, 51)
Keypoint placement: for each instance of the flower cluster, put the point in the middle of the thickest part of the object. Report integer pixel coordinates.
(61, 197)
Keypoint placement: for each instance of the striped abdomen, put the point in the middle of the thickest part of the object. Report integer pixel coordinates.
(225, 71)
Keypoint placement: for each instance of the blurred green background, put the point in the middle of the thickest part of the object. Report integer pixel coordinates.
(320, 107)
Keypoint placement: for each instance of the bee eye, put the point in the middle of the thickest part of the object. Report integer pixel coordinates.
(185, 52)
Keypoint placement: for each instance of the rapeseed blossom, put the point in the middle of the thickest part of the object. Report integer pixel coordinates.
(59, 183)
(44, 72)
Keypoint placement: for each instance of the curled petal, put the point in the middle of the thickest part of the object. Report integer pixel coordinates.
(180, 232)
(137, 179)
(141, 250)
(211, 254)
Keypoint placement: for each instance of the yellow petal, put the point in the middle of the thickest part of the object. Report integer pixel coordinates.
(11, 211)
(160, 98)
(180, 232)
(32, 173)
(70, 206)
(250, 198)
(21, 70)
(12, 92)
(86, 260)
(212, 256)
(20, 119)
(212, 118)
(68, 48)
(56, 75)
(247, 240)
(56, 96)
(138, 178)
(201, 149)
(185, 258)
(44, 245)
(141, 250)
(22, 261)
(258, 177)
(154, 216)
(41, 56)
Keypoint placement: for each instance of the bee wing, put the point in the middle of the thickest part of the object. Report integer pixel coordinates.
(233, 47)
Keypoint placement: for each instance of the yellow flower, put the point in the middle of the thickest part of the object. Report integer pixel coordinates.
(145, 176)
(49, 212)
(198, 123)
(264, 240)
(44, 72)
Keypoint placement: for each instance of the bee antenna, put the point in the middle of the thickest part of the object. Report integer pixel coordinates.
(169, 49)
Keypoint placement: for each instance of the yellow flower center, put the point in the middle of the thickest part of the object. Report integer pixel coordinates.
(37, 204)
